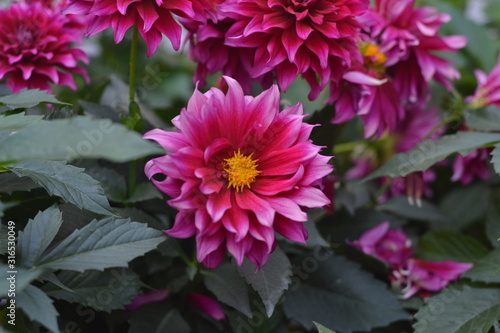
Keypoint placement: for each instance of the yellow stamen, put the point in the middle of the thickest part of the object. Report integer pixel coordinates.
(372, 54)
(241, 170)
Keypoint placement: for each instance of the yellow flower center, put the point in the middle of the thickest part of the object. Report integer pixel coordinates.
(241, 170)
(372, 54)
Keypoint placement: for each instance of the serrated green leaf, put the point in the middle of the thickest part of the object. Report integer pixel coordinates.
(23, 278)
(38, 307)
(450, 245)
(16, 121)
(339, 294)
(270, 281)
(495, 158)
(428, 153)
(493, 225)
(102, 291)
(78, 137)
(9, 182)
(112, 182)
(229, 287)
(400, 206)
(459, 311)
(29, 98)
(158, 318)
(38, 234)
(464, 205)
(66, 181)
(322, 329)
(102, 244)
(485, 119)
(487, 269)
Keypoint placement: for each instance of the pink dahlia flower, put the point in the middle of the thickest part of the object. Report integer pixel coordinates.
(390, 246)
(36, 47)
(488, 88)
(238, 170)
(465, 168)
(152, 17)
(426, 276)
(297, 37)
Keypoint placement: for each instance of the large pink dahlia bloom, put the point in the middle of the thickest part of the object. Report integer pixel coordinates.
(152, 17)
(297, 37)
(36, 47)
(238, 170)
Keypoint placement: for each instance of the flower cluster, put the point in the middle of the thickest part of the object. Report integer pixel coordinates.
(238, 170)
(36, 46)
(414, 275)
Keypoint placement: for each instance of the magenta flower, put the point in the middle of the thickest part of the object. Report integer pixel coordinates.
(425, 276)
(238, 170)
(152, 17)
(147, 298)
(207, 305)
(309, 38)
(36, 47)
(465, 168)
(488, 88)
(390, 246)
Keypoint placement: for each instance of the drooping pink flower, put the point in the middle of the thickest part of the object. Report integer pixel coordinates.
(298, 37)
(207, 305)
(390, 246)
(36, 47)
(147, 298)
(428, 276)
(488, 88)
(410, 35)
(238, 170)
(465, 168)
(152, 17)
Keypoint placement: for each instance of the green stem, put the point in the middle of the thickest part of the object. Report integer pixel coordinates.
(132, 177)
(132, 64)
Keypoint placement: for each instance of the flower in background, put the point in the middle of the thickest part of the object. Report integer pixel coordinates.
(291, 38)
(206, 305)
(465, 168)
(37, 47)
(238, 170)
(390, 246)
(153, 18)
(488, 88)
(424, 277)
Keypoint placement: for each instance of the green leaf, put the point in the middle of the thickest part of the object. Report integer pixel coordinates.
(17, 121)
(102, 291)
(10, 182)
(229, 287)
(485, 119)
(112, 182)
(400, 206)
(464, 205)
(487, 269)
(270, 281)
(78, 137)
(429, 152)
(450, 245)
(495, 158)
(38, 307)
(23, 278)
(158, 318)
(28, 98)
(38, 234)
(459, 311)
(66, 181)
(143, 192)
(322, 329)
(102, 244)
(337, 293)
(493, 225)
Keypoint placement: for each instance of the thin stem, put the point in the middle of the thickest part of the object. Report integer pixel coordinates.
(132, 64)
(132, 177)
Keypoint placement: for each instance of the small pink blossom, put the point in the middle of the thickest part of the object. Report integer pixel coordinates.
(36, 47)
(153, 18)
(147, 298)
(390, 246)
(488, 88)
(238, 170)
(426, 276)
(465, 168)
(207, 305)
